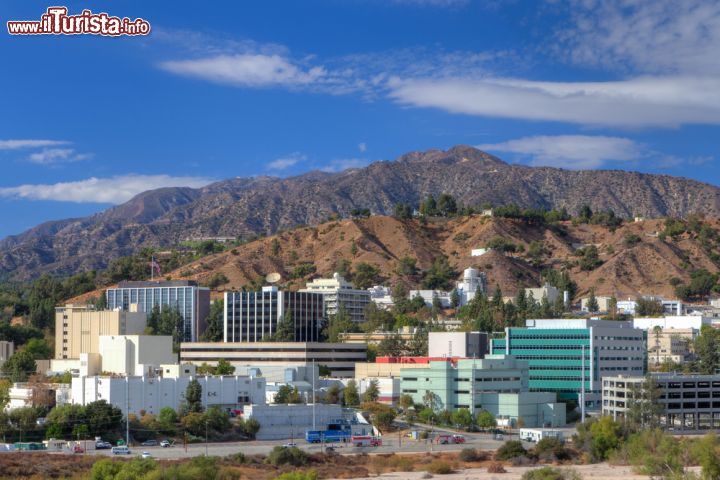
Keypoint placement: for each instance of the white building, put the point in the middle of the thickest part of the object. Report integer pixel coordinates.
(292, 421)
(457, 344)
(337, 291)
(429, 297)
(473, 281)
(151, 394)
(22, 395)
(602, 301)
(547, 290)
(670, 307)
(381, 296)
(478, 252)
(135, 354)
(675, 321)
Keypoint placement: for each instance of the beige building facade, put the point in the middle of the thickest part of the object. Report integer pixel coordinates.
(670, 344)
(78, 328)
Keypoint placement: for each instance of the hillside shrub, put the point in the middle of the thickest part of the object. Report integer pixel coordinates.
(439, 467)
(551, 473)
(288, 456)
(496, 467)
(509, 450)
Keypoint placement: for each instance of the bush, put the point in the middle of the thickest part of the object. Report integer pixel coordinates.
(509, 450)
(470, 455)
(496, 467)
(309, 475)
(288, 456)
(551, 473)
(439, 467)
(551, 449)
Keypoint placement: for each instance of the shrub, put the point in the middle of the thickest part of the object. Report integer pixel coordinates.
(439, 467)
(509, 450)
(288, 456)
(308, 475)
(551, 448)
(496, 467)
(469, 455)
(551, 473)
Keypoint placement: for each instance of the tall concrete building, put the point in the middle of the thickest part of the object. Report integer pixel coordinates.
(570, 357)
(254, 316)
(339, 292)
(192, 301)
(78, 328)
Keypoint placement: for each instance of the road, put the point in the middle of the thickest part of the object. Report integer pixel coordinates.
(391, 444)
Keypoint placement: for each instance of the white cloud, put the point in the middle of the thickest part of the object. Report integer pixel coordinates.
(658, 36)
(18, 144)
(286, 162)
(49, 156)
(113, 190)
(344, 163)
(571, 151)
(362, 147)
(638, 102)
(246, 70)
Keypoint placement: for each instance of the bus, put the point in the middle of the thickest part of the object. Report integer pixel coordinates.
(334, 432)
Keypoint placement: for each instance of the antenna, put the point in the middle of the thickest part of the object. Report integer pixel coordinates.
(273, 277)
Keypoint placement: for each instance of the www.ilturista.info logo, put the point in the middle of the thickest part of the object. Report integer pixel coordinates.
(57, 22)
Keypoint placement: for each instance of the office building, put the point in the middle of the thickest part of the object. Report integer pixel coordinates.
(6, 351)
(150, 394)
(192, 301)
(497, 384)
(569, 356)
(339, 292)
(457, 344)
(689, 402)
(381, 296)
(670, 345)
(254, 316)
(78, 328)
(339, 358)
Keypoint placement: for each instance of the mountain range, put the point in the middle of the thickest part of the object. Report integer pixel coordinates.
(264, 205)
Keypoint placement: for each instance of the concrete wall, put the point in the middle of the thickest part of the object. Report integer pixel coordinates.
(135, 354)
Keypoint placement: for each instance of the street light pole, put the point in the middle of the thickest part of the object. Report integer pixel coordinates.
(206, 438)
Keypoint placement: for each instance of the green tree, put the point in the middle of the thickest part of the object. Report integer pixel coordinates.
(275, 247)
(38, 348)
(462, 417)
(351, 395)
(372, 393)
(439, 275)
(224, 368)
(338, 324)
(214, 330)
(485, 419)
(285, 331)
(19, 366)
(217, 419)
(193, 397)
(287, 394)
(592, 303)
(707, 350)
(403, 211)
(102, 417)
(454, 298)
(392, 346)
(333, 395)
(366, 275)
(643, 406)
(431, 400)
(406, 402)
(428, 207)
(407, 266)
(446, 205)
(648, 307)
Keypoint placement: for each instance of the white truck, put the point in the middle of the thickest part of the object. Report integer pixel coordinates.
(536, 434)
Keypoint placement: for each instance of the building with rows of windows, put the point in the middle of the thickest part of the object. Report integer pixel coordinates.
(562, 354)
(254, 316)
(496, 383)
(192, 301)
(689, 402)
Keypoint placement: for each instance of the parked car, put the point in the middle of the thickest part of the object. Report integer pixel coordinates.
(121, 450)
(166, 443)
(149, 443)
(78, 449)
(146, 455)
(102, 445)
(290, 445)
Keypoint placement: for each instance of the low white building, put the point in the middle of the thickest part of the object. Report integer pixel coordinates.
(429, 297)
(473, 281)
(381, 296)
(135, 354)
(478, 252)
(547, 290)
(670, 307)
(674, 321)
(22, 395)
(292, 421)
(151, 394)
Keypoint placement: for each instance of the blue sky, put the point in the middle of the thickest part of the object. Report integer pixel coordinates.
(281, 88)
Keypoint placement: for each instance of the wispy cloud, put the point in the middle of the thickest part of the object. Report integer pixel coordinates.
(18, 144)
(51, 156)
(571, 151)
(287, 161)
(587, 152)
(362, 147)
(639, 102)
(341, 164)
(114, 190)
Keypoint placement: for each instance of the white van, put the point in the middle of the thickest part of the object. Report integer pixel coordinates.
(121, 450)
